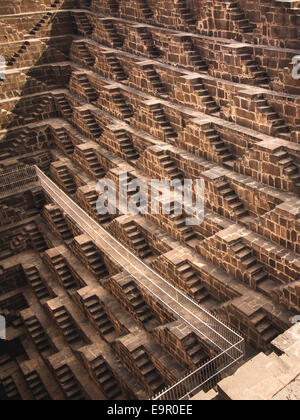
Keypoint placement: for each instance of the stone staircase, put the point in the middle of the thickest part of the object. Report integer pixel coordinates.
(93, 163)
(192, 282)
(146, 39)
(90, 205)
(63, 106)
(63, 272)
(185, 232)
(126, 145)
(56, 218)
(153, 77)
(37, 334)
(94, 259)
(99, 316)
(290, 168)
(106, 379)
(185, 13)
(36, 282)
(252, 67)
(84, 26)
(198, 64)
(65, 178)
(63, 141)
(91, 123)
(259, 277)
(169, 166)
(36, 238)
(115, 66)
(89, 92)
(148, 371)
(66, 325)
(209, 104)
(264, 327)
(220, 149)
(10, 389)
(115, 39)
(194, 350)
(140, 310)
(145, 10)
(69, 383)
(138, 241)
(124, 109)
(36, 386)
(160, 118)
(232, 200)
(84, 54)
(40, 108)
(279, 127)
(239, 18)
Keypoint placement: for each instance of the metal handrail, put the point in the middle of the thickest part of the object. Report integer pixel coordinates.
(231, 352)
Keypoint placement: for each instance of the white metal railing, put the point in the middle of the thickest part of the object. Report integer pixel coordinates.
(17, 179)
(226, 343)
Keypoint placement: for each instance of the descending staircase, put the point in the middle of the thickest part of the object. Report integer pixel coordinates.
(89, 92)
(62, 139)
(232, 199)
(104, 376)
(137, 303)
(219, 147)
(35, 281)
(66, 325)
(69, 384)
(264, 327)
(195, 58)
(279, 126)
(238, 16)
(148, 371)
(84, 54)
(126, 145)
(124, 109)
(99, 316)
(94, 259)
(64, 273)
(154, 79)
(186, 232)
(113, 6)
(10, 389)
(59, 222)
(138, 241)
(91, 199)
(91, 123)
(115, 66)
(66, 179)
(145, 10)
(185, 12)
(37, 240)
(251, 266)
(37, 333)
(37, 387)
(169, 166)
(83, 24)
(290, 168)
(63, 106)
(252, 67)
(37, 113)
(161, 118)
(115, 38)
(194, 350)
(207, 100)
(93, 163)
(147, 41)
(192, 282)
